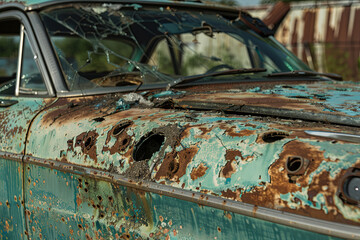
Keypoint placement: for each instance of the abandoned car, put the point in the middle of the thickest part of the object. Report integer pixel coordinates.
(169, 120)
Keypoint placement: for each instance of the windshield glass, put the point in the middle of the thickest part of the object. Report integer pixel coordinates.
(113, 45)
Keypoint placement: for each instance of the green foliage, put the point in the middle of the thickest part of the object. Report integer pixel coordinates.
(9, 47)
(336, 61)
(86, 56)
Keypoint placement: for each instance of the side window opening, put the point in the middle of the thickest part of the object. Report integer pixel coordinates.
(31, 81)
(12, 49)
(9, 54)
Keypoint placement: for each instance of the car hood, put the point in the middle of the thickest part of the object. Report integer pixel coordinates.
(327, 101)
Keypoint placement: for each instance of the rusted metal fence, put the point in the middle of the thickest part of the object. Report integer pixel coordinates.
(325, 35)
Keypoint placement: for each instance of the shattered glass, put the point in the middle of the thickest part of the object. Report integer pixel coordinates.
(114, 45)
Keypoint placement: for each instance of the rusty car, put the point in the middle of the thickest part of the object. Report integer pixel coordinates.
(165, 119)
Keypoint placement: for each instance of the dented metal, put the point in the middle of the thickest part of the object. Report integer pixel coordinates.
(224, 158)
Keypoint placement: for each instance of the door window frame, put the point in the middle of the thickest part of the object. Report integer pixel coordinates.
(26, 32)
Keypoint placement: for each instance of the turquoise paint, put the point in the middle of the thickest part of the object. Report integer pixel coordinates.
(15, 121)
(167, 94)
(122, 105)
(339, 98)
(122, 211)
(209, 133)
(12, 219)
(341, 156)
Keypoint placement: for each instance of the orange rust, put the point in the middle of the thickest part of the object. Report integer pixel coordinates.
(228, 215)
(198, 172)
(268, 195)
(185, 156)
(78, 200)
(7, 226)
(233, 133)
(255, 208)
(123, 140)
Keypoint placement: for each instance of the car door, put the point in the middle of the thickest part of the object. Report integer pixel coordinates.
(23, 94)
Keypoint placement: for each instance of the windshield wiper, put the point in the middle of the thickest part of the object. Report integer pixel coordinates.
(213, 74)
(299, 73)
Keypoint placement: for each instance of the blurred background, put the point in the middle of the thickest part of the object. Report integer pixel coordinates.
(324, 34)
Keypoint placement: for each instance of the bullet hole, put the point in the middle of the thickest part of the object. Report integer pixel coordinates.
(100, 198)
(147, 146)
(127, 199)
(174, 166)
(86, 183)
(89, 143)
(293, 164)
(350, 186)
(120, 128)
(99, 119)
(219, 229)
(7, 204)
(125, 236)
(80, 227)
(110, 198)
(296, 166)
(80, 180)
(102, 215)
(271, 137)
(98, 206)
(86, 190)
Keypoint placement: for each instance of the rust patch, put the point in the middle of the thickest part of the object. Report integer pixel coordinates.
(78, 200)
(230, 194)
(87, 142)
(123, 140)
(269, 194)
(198, 172)
(185, 156)
(243, 133)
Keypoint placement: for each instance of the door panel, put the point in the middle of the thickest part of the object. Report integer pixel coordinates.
(12, 222)
(66, 205)
(16, 114)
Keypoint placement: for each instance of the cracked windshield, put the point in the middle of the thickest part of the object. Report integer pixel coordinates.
(132, 45)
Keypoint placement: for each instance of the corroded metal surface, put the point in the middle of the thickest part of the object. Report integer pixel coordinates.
(325, 36)
(224, 159)
(96, 209)
(248, 159)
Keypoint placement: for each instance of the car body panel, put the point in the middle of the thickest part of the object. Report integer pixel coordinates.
(221, 154)
(227, 159)
(89, 208)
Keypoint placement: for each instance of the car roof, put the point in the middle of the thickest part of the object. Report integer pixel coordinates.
(29, 5)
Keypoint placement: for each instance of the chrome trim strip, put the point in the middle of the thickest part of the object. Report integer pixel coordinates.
(20, 58)
(11, 156)
(280, 217)
(334, 135)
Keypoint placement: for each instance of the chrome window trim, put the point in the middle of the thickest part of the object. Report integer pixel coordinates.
(20, 16)
(20, 61)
